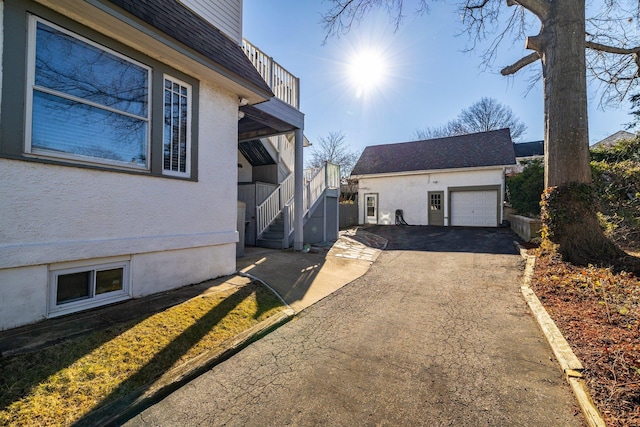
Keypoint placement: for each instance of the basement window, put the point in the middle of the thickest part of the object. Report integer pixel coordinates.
(83, 287)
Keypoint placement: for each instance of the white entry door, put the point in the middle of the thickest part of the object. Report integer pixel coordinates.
(474, 208)
(371, 208)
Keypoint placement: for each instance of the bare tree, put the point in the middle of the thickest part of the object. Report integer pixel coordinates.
(485, 115)
(333, 149)
(451, 128)
(570, 224)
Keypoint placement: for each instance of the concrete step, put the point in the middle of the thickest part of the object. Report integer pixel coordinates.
(272, 235)
(279, 228)
(270, 243)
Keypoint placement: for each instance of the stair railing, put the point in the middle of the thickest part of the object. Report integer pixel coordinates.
(315, 187)
(287, 188)
(282, 198)
(267, 211)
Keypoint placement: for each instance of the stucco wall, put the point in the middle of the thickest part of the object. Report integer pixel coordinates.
(409, 192)
(176, 232)
(54, 214)
(23, 292)
(47, 206)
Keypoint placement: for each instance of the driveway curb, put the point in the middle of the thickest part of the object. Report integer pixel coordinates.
(570, 364)
(123, 408)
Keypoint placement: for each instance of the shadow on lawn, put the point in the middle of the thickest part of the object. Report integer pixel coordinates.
(20, 374)
(114, 405)
(35, 352)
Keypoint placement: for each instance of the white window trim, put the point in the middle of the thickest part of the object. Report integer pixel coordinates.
(31, 61)
(187, 172)
(55, 310)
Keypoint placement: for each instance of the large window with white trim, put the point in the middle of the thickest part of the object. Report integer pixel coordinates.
(93, 102)
(87, 102)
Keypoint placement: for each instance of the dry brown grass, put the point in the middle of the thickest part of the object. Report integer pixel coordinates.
(61, 384)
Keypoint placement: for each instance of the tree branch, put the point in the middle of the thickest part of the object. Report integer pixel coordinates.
(540, 8)
(512, 69)
(612, 49)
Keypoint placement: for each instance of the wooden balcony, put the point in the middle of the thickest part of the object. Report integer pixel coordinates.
(284, 85)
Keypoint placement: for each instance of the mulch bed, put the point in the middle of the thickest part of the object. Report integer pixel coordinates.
(598, 312)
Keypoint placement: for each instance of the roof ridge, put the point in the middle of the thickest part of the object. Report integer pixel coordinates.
(466, 135)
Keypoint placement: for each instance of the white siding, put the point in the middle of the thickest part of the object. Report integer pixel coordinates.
(244, 169)
(409, 192)
(226, 15)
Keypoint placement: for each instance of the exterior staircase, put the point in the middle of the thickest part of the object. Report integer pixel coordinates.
(273, 223)
(273, 236)
(275, 215)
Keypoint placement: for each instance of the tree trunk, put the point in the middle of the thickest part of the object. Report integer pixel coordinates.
(569, 219)
(565, 95)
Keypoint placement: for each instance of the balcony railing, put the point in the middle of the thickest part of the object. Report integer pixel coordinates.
(284, 85)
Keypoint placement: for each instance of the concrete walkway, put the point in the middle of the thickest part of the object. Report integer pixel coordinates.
(302, 279)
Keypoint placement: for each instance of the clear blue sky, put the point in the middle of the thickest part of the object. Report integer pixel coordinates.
(429, 79)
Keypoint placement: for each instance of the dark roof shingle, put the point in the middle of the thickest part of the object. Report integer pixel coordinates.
(528, 149)
(493, 148)
(188, 28)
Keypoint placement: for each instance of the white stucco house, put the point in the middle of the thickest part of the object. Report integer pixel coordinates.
(454, 181)
(122, 123)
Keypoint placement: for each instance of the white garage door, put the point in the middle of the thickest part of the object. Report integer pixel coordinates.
(474, 208)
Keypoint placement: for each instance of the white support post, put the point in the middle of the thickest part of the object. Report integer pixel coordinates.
(298, 224)
(324, 215)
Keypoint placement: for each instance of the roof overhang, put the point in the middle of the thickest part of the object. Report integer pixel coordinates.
(270, 118)
(116, 23)
(431, 171)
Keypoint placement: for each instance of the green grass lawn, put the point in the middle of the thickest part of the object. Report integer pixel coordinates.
(63, 383)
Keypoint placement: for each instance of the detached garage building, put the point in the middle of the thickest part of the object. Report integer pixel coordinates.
(455, 181)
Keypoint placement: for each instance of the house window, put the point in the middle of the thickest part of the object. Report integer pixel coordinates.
(177, 122)
(87, 102)
(81, 287)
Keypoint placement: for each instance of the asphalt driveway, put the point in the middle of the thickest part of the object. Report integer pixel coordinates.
(426, 337)
(447, 239)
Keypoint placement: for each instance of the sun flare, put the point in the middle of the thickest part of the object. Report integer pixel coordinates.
(367, 70)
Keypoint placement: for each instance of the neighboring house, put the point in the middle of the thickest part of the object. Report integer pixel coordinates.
(119, 150)
(457, 180)
(525, 152)
(612, 139)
